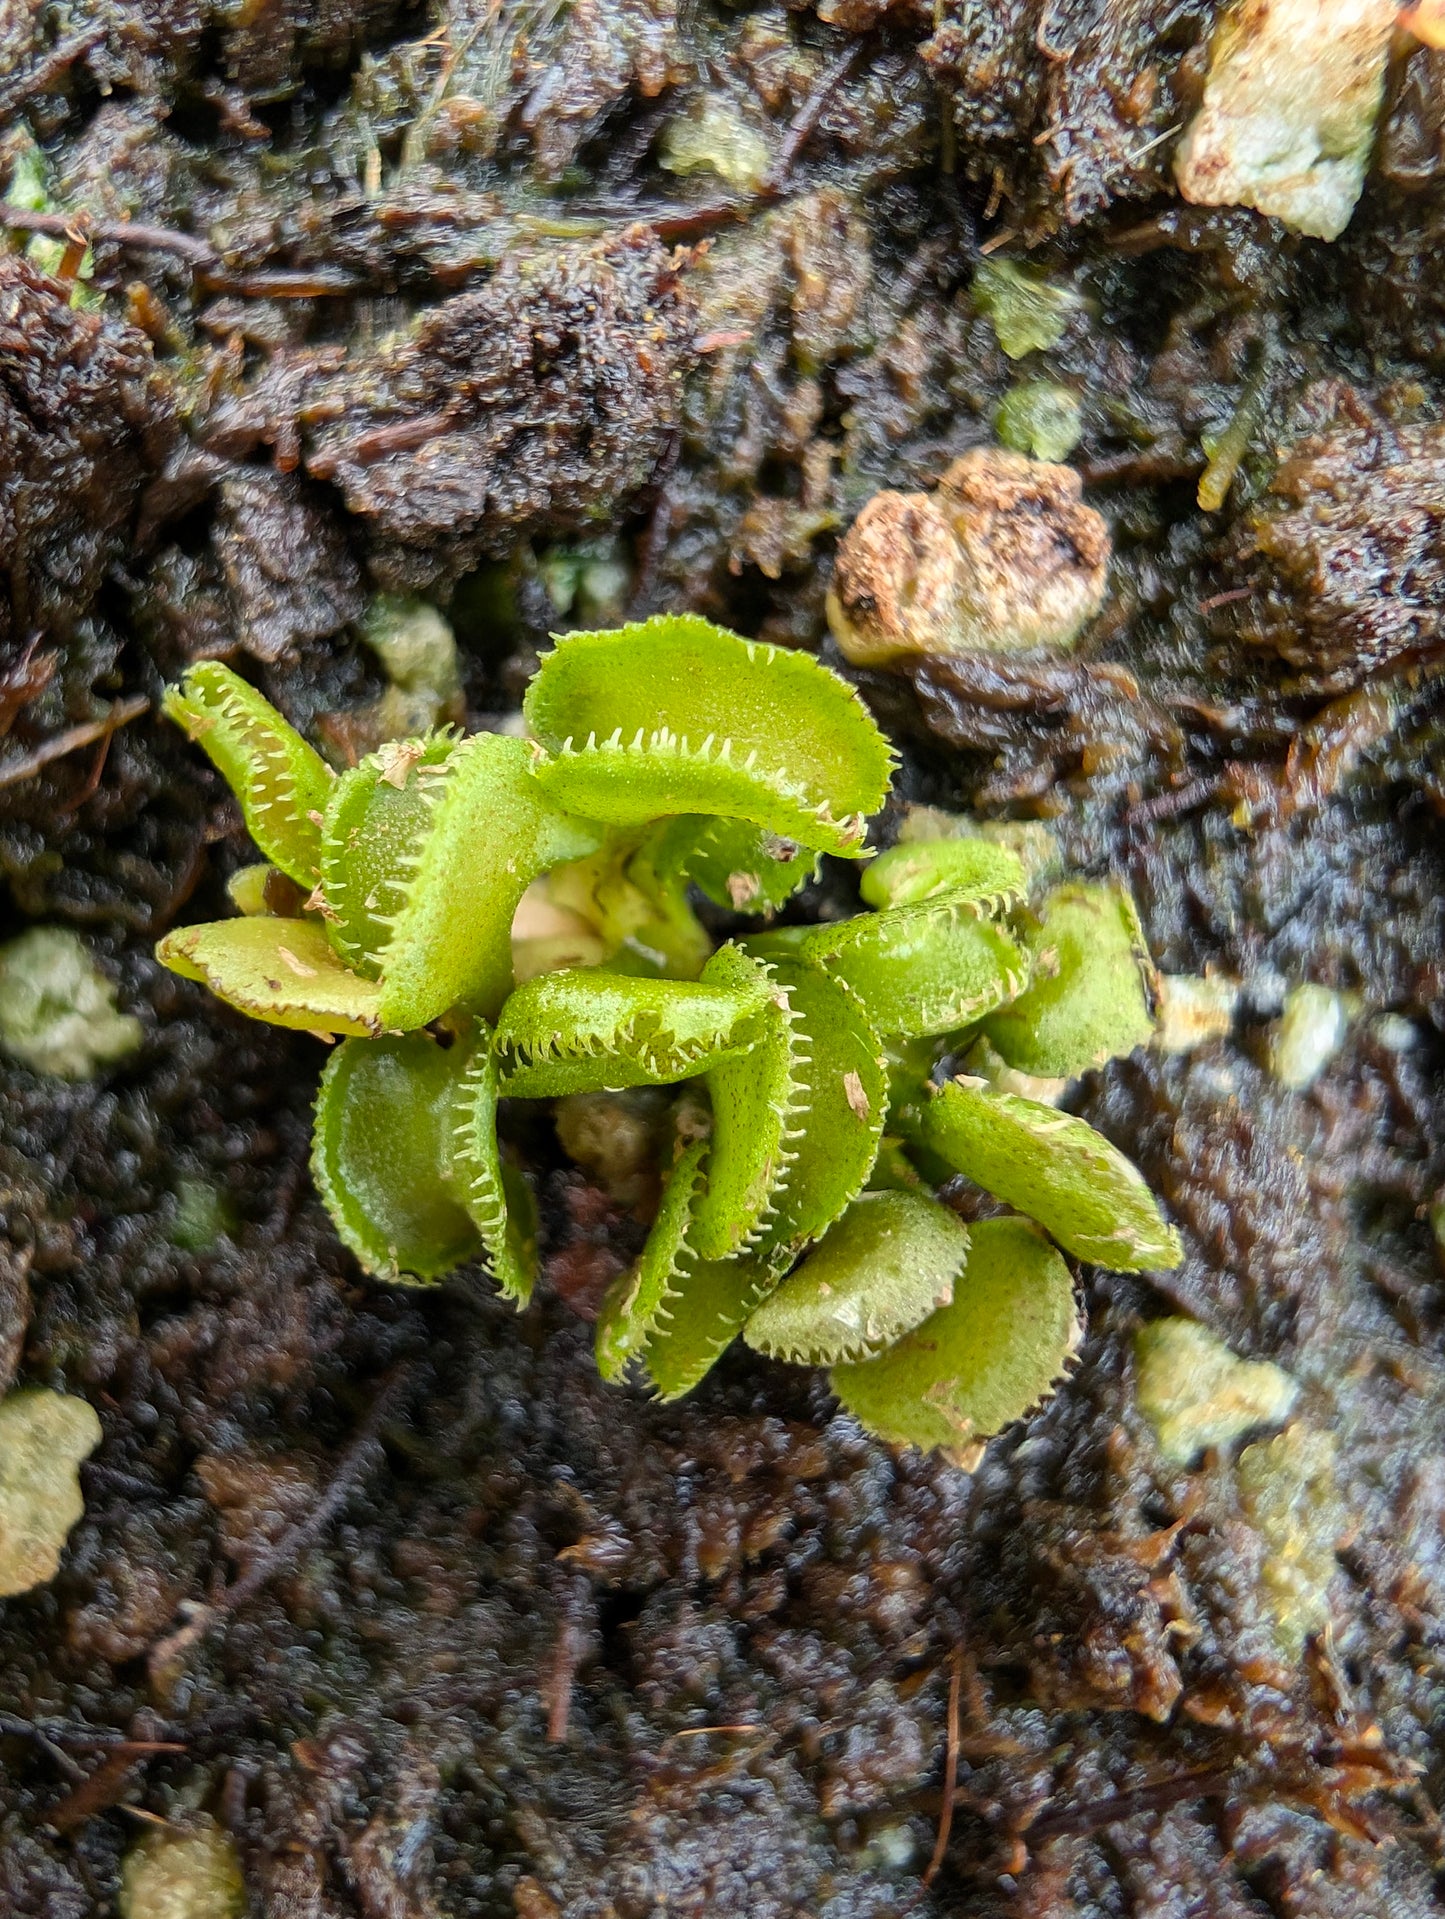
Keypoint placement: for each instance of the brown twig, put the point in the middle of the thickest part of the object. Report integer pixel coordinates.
(950, 1770)
(801, 127)
(167, 1652)
(557, 1694)
(82, 229)
(41, 79)
(121, 714)
(1075, 1821)
(14, 1727)
(281, 283)
(686, 223)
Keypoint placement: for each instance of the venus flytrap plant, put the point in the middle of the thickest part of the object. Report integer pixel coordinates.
(282, 783)
(666, 758)
(707, 723)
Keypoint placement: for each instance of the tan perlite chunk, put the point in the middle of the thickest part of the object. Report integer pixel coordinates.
(1004, 556)
(43, 1438)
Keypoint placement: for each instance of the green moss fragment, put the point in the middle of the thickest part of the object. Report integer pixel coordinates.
(418, 651)
(1029, 311)
(1040, 418)
(1288, 1492)
(57, 1009)
(1196, 1393)
(203, 1216)
(712, 136)
(44, 1436)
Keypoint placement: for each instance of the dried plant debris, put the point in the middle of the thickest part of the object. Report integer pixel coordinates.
(538, 403)
(86, 420)
(1341, 556)
(288, 568)
(1067, 117)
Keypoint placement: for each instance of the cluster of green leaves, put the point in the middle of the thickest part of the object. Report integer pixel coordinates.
(798, 1206)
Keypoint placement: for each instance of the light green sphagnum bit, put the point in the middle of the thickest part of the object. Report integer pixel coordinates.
(43, 1438)
(282, 783)
(713, 136)
(202, 1217)
(925, 969)
(1290, 1495)
(842, 1103)
(174, 1874)
(633, 1304)
(1029, 311)
(889, 1262)
(1040, 418)
(418, 649)
(1086, 1002)
(1196, 1393)
(1056, 1169)
(715, 1299)
(281, 971)
(970, 869)
(587, 1030)
(756, 1105)
(382, 1155)
(57, 1009)
(979, 1363)
(499, 1201)
(679, 716)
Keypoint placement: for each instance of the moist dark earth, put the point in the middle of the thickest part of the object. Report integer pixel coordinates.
(383, 1581)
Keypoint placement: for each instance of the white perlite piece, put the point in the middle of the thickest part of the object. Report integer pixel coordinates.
(1307, 1035)
(1290, 103)
(57, 1010)
(182, 1875)
(43, 1438)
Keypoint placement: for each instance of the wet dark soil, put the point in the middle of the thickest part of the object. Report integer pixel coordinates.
(403, 297)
